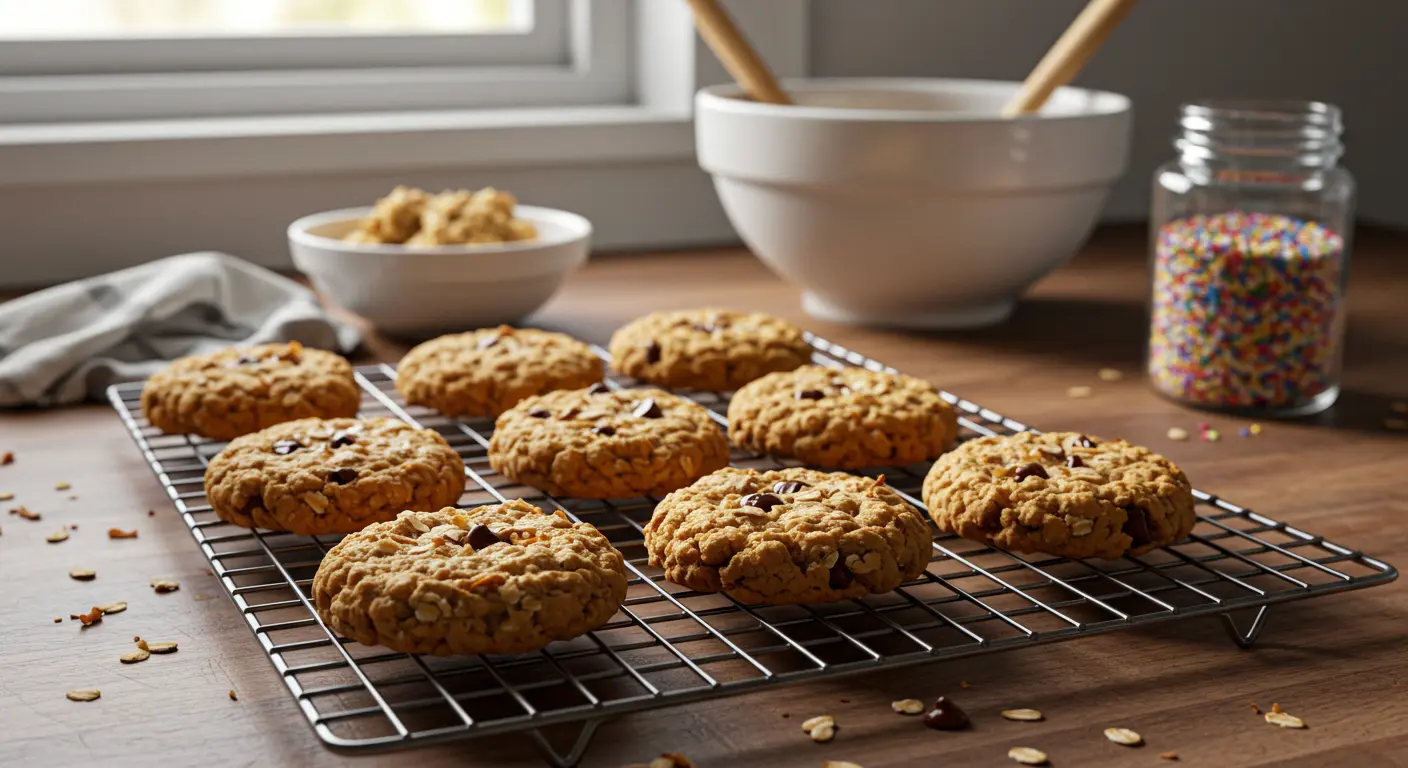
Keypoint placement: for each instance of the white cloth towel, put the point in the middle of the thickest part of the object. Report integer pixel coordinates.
(70, 342)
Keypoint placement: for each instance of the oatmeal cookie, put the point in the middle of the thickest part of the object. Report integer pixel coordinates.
(488, 371)
(597, 444)
(709, 349)
(1062, 493)
(316, 476)
(506, 578)
(843, 418)
(239, 390)
(788, 536)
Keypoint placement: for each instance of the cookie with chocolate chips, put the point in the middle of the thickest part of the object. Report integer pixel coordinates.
(842, 418)
(486, 372)
(239, 390)
(315, 476)
(788, 536)
(1062, 493)
(506, 578)
(707, 349)
(596, 444)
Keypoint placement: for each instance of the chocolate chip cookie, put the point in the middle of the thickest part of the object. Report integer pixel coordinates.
(597, 444)
(709, 349)
(1062, 493)
(240, 390)
(507, 578)
(843, 418)
(315, 476)
(788, 536)
(486, 372)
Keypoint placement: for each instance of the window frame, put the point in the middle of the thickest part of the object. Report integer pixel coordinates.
(577, 54)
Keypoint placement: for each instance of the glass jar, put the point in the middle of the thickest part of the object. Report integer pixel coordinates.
(1250, 249)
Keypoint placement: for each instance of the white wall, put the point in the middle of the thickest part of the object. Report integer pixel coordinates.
(1353, 53)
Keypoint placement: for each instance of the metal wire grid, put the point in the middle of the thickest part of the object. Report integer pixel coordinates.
(670, 645)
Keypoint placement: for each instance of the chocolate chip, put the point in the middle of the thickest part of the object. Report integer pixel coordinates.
(839, 578)
(344, 475)
(481, 536)
(946, 716)
(1086, 442)
(763, 501)
(647, 409)
(606, 430)
(598, 389)
(539, 413)
(1136, 526)
(1031, 470)
(341, 438)
(810, 394)
(652, 352)
(285, 447)
(789, 486)
(487, 341)
(1074, 461)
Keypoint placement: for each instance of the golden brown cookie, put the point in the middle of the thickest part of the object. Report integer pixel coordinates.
(240, 390)
(844, 418)
(486, 372)
(597, 444)
(1062, 493)
(316, 476)
(708, 349)
(507, 578)
(788, 536)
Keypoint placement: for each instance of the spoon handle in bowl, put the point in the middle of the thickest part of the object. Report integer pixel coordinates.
(736, 53)
(1071, 52)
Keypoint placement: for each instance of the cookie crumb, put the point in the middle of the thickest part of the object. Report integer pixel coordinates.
(1124, 736)
(1168, 755)
(73, 526)
(84, 695)
(58, 619)
(118, 533)
(233, 697)
(57, 536)
(1110, 374)
(907, 707)
(963, 684)
(90, 618)
(62, 486)
(1284, 720)
(1023, 715)
(8, 457)
(1177, 433)
(786, 714)
(1276, 708)
(1255, 709)
(1079, 392)
(162, 586)
(82, 574)
(25, 514)
(1027, 755)
(151, 513)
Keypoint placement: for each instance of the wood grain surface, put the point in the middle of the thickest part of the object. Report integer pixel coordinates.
(1338, 662)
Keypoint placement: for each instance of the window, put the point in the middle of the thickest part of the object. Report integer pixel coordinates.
(67, 60)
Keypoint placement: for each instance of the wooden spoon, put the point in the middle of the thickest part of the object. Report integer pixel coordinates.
(1075, 47)
(735, 52)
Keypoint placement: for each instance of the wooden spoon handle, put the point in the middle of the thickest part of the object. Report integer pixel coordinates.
(1075, 47)
(736, 53)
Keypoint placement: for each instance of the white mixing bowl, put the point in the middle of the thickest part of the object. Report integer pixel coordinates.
(408, 291)
(911, 203)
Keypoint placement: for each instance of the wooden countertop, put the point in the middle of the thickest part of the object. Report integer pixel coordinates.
(1340, 662)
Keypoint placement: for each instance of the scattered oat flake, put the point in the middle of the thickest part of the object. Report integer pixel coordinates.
(1396, 424)
(61, 486)
(1124, 736)
(839, 764)
(57, 536)
(1168, 755)
(1111, 374)
(133, 657)
(1079, 392)
(823, 733)
(1027, 715)
(26, 514)
(907, 707)
(117, 607)
(6, 496)
(1284, 720)
(118, 533)
(233, 697)
(159, 647)
(82, 574)
(163, 586)
(1177, 433)
(84, 695)
(813, 722)
(1027, 755)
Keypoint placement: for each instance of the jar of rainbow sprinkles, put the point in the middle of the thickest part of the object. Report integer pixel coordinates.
(1250, 250)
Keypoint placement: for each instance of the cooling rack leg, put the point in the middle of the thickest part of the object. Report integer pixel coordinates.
(1245, 639)
(579, 747)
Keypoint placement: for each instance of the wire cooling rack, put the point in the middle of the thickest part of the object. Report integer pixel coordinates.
(670, 645)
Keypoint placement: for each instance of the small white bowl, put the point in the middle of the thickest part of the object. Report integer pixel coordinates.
(912, 203)
(408, 291)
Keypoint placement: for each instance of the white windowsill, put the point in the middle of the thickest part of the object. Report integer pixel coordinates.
(248, 146)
